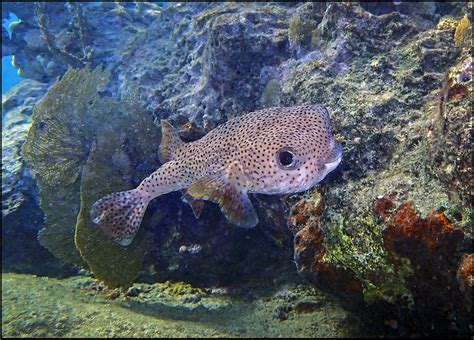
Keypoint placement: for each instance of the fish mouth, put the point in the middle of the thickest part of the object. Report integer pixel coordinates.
(331, 165)
(336, 152)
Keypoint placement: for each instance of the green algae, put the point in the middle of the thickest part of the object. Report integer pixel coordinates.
(363, 253)
(82, 146)
(79, 307)
(296, 30)
(271, 93)
(207, 16)
(463, 32)
(302, 26)
(354, 240)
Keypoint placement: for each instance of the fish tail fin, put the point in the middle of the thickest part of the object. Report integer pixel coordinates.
(120, 214)
(170, 142)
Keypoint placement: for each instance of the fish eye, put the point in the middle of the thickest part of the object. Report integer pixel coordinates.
(286, 159)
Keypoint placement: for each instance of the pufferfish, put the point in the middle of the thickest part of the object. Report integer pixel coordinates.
(272, 151)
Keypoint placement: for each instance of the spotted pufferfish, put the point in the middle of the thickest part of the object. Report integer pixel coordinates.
(273, 151)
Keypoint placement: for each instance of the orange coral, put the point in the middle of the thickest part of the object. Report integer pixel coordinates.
(298, 215)
(302, 210)
(458, 92)
(407, 233)
(465, 275)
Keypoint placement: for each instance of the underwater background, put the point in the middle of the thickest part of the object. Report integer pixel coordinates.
(381, 247)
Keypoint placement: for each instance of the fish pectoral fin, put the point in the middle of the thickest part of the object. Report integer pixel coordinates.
(196, 204)
(170, 142)
(227, 190)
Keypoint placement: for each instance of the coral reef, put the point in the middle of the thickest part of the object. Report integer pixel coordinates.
(55, 154)
(403, 161)
(116, 160)
(397, 81)
(450, 144)
(421, 274)
(432, 246)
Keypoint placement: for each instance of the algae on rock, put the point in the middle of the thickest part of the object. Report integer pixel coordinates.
(271, 93)
(83, 145)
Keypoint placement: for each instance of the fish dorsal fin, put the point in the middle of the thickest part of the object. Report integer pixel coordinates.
(170, 142)
(195, 204)
(227, 188)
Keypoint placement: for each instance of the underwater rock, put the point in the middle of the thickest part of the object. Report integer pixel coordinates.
(423, 257)
(34, 53)
(208, 52)
(451, 136)
(169, 309)
(379, 8)
(310, 252)
(7, 49)
(217, 58)
(397, 83)
(80, 148)
(432, 246)
(17, 106)
(227, 254)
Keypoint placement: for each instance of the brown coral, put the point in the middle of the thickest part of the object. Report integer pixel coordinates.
(428, 247)
(302, 210)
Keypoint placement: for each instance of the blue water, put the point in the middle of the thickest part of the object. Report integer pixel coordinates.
(10, 75)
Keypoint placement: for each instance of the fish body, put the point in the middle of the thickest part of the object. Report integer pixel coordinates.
(271, 151)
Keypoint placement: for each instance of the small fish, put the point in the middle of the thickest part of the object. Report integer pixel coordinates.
(272, 151)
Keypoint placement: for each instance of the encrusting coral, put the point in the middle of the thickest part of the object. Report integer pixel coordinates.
(422, 264)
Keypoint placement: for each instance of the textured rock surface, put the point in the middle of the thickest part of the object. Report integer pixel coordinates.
(78, 307)
(17, 108)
